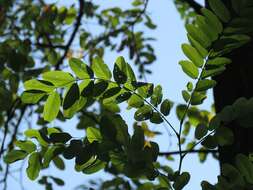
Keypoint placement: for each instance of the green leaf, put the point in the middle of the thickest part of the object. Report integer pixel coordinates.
(120, 70)
(73, 149)
(58, 78)
(111, 92)
(157, 96)
(72, 95)
(49, 155)
(123, 97)
(14, 155)
(59, 163)
(32, 96)
(198, 35)
(220, 10)
(200, 131)
(93, 134)
(212, 20)
(99, 88)
(94, 167)
(156, 118)
(60, 137)
(26, 145)
(40, 85)
(146, 90)
(181, 181)
(100, 69)
(206, 29)
(143, 113)
(238, 5)
(245, 167)
(210, 142)
(180, 110)
(207, 186)
(33, 133)
(189, 86)
(52, 107)
(166, 107)
(34, 166)
(201, 50)
(57, 180)
(205, 84)
(86, 88)
(212, 72)
(197, 98)
(193, 54)
(233, 175)
(219, 61)
(135, 101)
(80, 69)
(186, 95)
(224, 136)
(190, 69)
(77, 106)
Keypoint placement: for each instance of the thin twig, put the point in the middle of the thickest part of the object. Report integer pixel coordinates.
(187, 151)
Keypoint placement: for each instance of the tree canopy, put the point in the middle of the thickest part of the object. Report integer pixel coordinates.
(44, 79)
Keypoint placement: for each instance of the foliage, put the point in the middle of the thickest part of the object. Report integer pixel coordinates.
(58, 94)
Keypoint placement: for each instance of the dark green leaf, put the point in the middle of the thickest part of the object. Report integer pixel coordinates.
(94, 167)
(166, 107)
(34, 166)
(60, 137)
(181, 181)
(156, 118)
(220, 10)
(99, 88)
(57, 180)
(86, 88)
(59, 163)
(26, 145)
(72, 95)
(15, 155)
(200, 131)
(205, 84)
(143, 113)
(157, 96)
(120, 70)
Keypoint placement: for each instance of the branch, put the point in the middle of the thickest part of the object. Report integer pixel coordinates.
(194, 5)
(10, 115)
(50, 45)
(187, 151)
(72, 37)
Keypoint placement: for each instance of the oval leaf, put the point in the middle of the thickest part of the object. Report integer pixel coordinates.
(52, 107)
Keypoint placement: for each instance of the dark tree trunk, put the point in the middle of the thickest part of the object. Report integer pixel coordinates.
(235, 82)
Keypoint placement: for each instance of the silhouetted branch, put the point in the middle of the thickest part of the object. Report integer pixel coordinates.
(72, 37)
(186, 151)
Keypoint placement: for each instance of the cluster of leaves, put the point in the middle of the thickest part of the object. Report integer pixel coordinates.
(107, 144)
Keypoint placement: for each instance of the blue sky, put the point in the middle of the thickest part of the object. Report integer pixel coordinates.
(170, 34)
